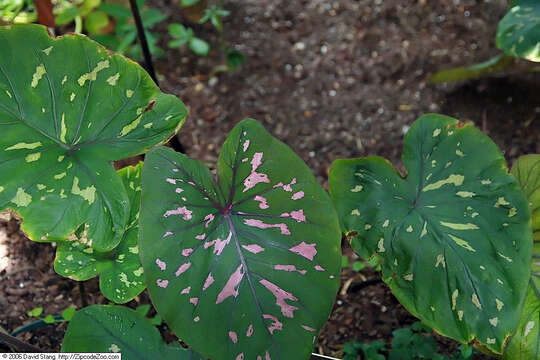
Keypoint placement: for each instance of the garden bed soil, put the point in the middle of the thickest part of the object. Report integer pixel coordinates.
(332, 79)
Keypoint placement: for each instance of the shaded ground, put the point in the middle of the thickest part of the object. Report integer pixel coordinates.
(331, 79)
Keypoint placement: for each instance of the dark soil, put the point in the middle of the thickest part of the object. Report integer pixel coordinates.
(331, 79)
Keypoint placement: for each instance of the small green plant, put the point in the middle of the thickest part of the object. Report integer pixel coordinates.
(124, 38)
(410, 343)
(214, 15)
(183, 36)
(518, 36)
(65, 316)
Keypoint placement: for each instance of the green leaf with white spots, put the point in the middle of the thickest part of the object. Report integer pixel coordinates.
(120, 270)
(112, 328)
(64, 119)
(518, 33)
(525, 343)
(527, 172)
(454, 235)
(245, 267)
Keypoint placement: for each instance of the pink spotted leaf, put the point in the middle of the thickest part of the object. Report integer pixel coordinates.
(245, 266)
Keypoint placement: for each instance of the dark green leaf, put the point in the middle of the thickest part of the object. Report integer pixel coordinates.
(518, 33)
(239, 267)
(65, 119)
(235, 59)
(115, 10)
(110, 328)
(186, 3)
(454, 235)
(151, 17)
(143, 309)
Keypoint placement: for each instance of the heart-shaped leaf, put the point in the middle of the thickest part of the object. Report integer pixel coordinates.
(525, 343)
(246, 267)
(67, 110)
(111, 328)
(120, 269)
(518, 33)
(454, 235)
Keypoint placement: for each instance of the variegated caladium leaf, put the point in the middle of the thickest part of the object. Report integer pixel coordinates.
(112, 328)
(67, 110)
(246, 267)
(121, 274)
(518, 33)
(525, 342)
(454, 235)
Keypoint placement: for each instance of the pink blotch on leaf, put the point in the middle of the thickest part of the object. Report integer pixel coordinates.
(209, 281)
(220, 244)
(297, 195)
(186, 290)
(162, 283)
(319, 268)
(208, 218)
(175, 170)
(254, 178)
(249, 331)
(306, 250)
(180, 211)
(233, 336)
(179, 190)
(267, 356)
(245, 159)
(281, 295)
(246, 145)
(230, 288)
(276, 324)
(182, 268)
(194, 300)
(191, 183)
(288, 187)
(168, 233)
(298, 215)
(207, 244)
(161, 264)
(262, 200)
(253, 248)
(187, 252)
(240, 356)
(261, 225)
(289, 268)
(171, 181)
(196, 319)
(308, 328)
(200, 237)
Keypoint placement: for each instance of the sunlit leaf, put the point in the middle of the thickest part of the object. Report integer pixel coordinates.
(120, 270)
(65, 118)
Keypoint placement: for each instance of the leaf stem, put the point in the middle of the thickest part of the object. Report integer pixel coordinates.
(142, 39)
